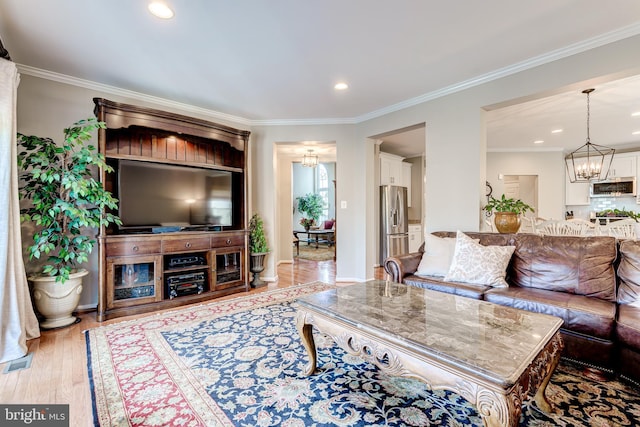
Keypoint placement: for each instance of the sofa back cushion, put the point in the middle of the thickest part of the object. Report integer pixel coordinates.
(575, 265)
(629, 273)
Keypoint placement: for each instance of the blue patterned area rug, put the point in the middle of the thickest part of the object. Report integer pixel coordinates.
(239, 363)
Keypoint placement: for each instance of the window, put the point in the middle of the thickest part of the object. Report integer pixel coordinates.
(323, 190)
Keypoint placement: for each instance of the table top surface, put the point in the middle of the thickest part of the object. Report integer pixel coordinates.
(314, 231)
(486, 339)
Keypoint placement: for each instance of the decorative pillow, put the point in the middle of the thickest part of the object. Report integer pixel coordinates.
(475, 263)
(437, 256)
(328, 224)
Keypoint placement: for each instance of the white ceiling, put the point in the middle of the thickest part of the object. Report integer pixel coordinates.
(277, 61)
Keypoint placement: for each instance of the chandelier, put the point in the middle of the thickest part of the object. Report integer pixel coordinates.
(310, 160)
(591, 162)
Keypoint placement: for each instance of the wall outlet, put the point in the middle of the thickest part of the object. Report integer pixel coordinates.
(343, 204)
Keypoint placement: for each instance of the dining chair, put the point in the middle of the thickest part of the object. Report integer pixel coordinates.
(622, 229)
(554, 227)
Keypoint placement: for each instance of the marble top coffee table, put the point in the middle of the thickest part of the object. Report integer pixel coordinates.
(493, 356)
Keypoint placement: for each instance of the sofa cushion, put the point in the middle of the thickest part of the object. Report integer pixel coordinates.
(475, 263)
(437, 256)
(581, 314)
(574, 265)
(629, 273)
(438, 284)
(628, 326)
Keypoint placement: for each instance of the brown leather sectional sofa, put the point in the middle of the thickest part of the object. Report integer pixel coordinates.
(591, 283)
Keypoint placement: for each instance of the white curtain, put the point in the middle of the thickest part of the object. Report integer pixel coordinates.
(18, 322)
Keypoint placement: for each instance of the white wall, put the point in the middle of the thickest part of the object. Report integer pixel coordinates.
(548, 166)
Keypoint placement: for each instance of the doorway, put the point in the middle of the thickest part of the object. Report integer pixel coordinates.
(525, 188)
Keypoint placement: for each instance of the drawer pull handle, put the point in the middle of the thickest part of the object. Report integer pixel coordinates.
(187, 245)
(134, 248)
(228, 241)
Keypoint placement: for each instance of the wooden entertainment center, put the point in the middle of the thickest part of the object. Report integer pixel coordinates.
(152, 268)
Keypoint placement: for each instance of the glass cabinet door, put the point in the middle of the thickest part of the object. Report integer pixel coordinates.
(229, 268)
(133, 280)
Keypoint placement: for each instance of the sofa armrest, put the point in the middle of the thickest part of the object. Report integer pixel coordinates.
(399, 266)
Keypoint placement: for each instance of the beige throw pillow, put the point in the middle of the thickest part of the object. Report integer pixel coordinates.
(478, 264)
(437, 256)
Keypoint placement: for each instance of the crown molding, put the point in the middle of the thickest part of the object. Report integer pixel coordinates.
(583, 46)
(103, 88)
(613, 36)
(303, 122)
(525, 150)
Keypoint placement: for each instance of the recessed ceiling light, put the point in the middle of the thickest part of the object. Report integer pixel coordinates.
(539, 141)
(341, 86)
(636, 114)
(636, 132)
(556, 131)
(161, 10)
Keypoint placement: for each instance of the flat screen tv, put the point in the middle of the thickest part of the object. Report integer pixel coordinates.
(160, 195)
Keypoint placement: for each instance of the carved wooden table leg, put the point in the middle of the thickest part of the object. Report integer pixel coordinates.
(540, 398)
(306, 334)
(498, 410)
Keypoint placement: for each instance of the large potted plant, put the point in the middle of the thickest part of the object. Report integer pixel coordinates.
(310, 204)
(65, 204)
(507, 213)
(258, 249)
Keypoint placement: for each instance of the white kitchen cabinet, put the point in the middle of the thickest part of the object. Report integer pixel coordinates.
(576, 193)
(415, 237)
(391, 172)
(623, 165)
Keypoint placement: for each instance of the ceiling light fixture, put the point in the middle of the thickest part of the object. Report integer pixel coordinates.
(341, 86)
(556, 131)
(539, 141)
(636, 132)
(591, 161)
(160, 10)
(636, 114)
(310, 160)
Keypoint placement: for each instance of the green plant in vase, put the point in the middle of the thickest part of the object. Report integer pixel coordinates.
(258, 249)
(64, 202)
(310, 204)
(507, 213)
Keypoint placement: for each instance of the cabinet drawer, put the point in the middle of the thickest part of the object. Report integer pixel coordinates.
(133, 247)
(187, 244)
(229, 240)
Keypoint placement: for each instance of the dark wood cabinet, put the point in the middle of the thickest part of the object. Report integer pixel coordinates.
(143, 271)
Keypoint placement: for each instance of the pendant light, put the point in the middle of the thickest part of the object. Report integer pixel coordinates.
(591, 162)
(310, 160)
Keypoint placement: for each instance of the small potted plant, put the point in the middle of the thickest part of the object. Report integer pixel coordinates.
(310, 204)
(258, 249)
(507, 213)
(64, 203)
(307, 223)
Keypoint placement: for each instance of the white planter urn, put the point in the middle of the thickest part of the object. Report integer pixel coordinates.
(56, 301)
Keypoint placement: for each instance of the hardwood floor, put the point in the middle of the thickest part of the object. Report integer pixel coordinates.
(58, 373)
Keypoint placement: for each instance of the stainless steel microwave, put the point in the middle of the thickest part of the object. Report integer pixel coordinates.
(617, 187)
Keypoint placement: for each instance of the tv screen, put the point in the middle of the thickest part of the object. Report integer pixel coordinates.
(153, 194)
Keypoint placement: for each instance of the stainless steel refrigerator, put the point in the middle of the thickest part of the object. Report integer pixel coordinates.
(394, 221)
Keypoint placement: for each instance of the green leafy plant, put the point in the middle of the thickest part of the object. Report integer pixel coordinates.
(311, 204)
(504, 204)
(257, 238)
(64, 200)
(619, 213)
(307, 222)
